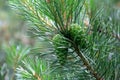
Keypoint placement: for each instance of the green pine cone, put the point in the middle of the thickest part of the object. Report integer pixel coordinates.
(77, 34)
(61, 48)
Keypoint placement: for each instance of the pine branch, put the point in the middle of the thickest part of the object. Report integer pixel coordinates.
(86, 62)
(113, 34)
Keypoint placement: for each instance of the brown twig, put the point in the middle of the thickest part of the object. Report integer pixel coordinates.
(37, 76)
(86, 62)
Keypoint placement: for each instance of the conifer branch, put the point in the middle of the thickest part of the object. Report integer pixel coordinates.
(86, 62)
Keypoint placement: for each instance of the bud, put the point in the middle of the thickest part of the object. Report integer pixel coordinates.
(61, 48)
(77, 34)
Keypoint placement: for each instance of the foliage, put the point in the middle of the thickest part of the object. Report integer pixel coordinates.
(14, 55)
(33, 69)
(92, 48)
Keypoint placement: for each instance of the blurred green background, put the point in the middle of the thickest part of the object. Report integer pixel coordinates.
(13, 31)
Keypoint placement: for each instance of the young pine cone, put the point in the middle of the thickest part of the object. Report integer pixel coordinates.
(61, 48)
